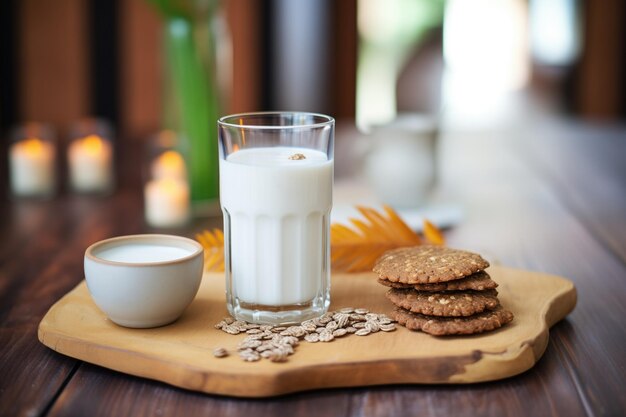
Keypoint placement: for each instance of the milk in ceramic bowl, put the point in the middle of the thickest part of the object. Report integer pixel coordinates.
(144, 280)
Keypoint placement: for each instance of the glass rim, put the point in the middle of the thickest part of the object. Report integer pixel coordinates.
(326, 120)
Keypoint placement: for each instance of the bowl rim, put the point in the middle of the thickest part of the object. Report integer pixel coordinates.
(89, 252)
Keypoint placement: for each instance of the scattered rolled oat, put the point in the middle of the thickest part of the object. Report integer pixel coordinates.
(326, 336)
(388, 327)
(339, 332)
(312, 337)
(220, 352)
(276, 343)
(249, 355)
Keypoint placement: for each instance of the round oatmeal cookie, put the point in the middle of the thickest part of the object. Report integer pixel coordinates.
(426, 264)
(450, 304)
(446, 326)
(480, 281)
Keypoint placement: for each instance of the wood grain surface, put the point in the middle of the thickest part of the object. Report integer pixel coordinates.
(540, 195)
(180, 354)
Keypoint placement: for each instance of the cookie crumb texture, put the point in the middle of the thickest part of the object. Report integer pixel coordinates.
(452, 304)
(480, 281)
(446, 326)
(427, 264)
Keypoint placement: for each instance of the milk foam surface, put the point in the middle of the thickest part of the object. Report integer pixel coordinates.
(140, 253)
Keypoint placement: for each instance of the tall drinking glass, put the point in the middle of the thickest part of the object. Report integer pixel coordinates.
(276, 181)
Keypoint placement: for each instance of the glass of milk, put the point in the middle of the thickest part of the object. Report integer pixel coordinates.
(276, 180)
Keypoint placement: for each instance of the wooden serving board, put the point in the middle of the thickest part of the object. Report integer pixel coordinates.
(180, 354)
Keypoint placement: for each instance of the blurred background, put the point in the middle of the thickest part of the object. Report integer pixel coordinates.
(361, 59)
(469, 64)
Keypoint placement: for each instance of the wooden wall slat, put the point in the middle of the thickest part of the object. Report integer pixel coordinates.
(244, 22)
(345, 48)
(141, 69)
(103, 18)
(602, 88)
(53, 61)
(8, 71)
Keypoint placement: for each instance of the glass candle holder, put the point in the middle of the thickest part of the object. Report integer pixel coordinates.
(32, 161)
(276, 181)
(166, 192)
(165, 157)
(90, 156)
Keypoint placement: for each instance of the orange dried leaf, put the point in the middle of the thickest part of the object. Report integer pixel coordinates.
(401, 226)
(433, 234)
(213, 244)
(356, 248)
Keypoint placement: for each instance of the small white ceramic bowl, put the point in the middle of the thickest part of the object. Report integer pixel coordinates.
(144, 280)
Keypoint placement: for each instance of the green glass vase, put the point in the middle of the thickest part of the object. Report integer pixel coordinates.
(191, 94)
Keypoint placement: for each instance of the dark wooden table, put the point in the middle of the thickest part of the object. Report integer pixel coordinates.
(550, 198)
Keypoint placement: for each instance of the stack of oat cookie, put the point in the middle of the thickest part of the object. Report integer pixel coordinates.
(441, 291)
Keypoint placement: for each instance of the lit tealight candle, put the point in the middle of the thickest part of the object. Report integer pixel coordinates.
(32, 167)
(170, 164)
(90, 159)
(166, 202)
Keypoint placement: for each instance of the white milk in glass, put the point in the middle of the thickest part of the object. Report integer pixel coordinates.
(277, 210)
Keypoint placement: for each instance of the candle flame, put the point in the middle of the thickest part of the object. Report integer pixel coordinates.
(172, 159)
(92, 144)
(171, 185)
(169, 164)
(33, 146)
